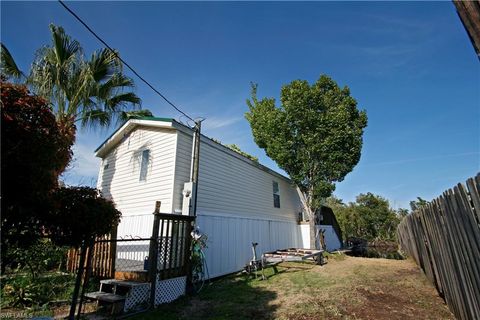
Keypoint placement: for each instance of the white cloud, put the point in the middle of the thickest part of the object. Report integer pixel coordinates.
(212, 123)
(84, 164)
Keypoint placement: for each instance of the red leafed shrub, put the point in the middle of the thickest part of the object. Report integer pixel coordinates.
(80, 213)
(34, 153)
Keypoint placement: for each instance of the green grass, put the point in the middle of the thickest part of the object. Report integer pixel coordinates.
(345, 288)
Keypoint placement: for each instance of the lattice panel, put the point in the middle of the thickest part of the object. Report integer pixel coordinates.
(137, 297)
(170, 289)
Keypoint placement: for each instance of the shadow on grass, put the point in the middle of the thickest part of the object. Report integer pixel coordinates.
(233, 297)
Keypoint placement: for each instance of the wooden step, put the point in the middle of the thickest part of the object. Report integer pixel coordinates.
(104, 296)
(123, 283)
(113, 302)
(141, 276)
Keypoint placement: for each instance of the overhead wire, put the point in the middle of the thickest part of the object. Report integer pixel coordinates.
(123, 61)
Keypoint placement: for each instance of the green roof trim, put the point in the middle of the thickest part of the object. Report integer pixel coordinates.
(152, 119)
(134, 118)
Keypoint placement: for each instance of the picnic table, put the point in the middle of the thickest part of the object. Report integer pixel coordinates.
(294, 254)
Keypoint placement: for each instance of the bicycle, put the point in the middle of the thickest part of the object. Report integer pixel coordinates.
(199, 263)
(255, 264)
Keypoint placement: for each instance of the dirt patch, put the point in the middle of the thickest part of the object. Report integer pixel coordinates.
(395, 290)
(382, 305)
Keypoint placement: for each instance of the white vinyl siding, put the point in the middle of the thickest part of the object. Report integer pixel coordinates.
(228, 184)
(230, 239)
(235, 205)
(182, 168)
(120, 180)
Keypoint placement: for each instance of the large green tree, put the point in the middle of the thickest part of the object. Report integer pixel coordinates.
(315, 135)
(378, 220)
(369, 217)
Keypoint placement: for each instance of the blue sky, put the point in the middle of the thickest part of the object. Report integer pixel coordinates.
(410, 65)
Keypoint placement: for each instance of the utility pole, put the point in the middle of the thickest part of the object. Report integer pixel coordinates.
(195, 165)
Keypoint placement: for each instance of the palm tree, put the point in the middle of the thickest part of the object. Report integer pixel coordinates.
(91, 92)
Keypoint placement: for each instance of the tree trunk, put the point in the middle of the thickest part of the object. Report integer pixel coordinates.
(313, 242)
(311, 217)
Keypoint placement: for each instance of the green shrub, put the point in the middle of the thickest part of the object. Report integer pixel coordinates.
(41, 257)
(23, 290)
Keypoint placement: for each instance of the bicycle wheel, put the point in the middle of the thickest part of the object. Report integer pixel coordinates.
(198, 280)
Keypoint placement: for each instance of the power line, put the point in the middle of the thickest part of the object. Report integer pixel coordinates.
(123, 61)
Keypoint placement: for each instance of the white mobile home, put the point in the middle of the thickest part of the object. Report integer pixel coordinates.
(239, 201)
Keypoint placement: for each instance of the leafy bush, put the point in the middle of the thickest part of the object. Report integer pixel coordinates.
(369, 217)
(23, 290)
(41, 257)
(80, 213)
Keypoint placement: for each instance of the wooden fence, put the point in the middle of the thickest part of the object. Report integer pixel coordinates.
(444, 239)
(103, 258)
(169, 248)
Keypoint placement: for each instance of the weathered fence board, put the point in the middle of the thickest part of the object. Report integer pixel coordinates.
(443, 237)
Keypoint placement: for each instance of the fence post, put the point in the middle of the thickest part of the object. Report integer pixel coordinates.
(86, 278)
(153, 254)
(113, 251)
(76, 290)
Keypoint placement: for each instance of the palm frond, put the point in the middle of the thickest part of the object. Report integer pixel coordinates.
(7, 64)
(42, 74)
(96, 117)
(80, 88)
(103, 64)
(116, 83)
(122, 100)
(64, 46)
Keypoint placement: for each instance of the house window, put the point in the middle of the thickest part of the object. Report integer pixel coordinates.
(105, 166)
(144, 165)
(276, 195)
